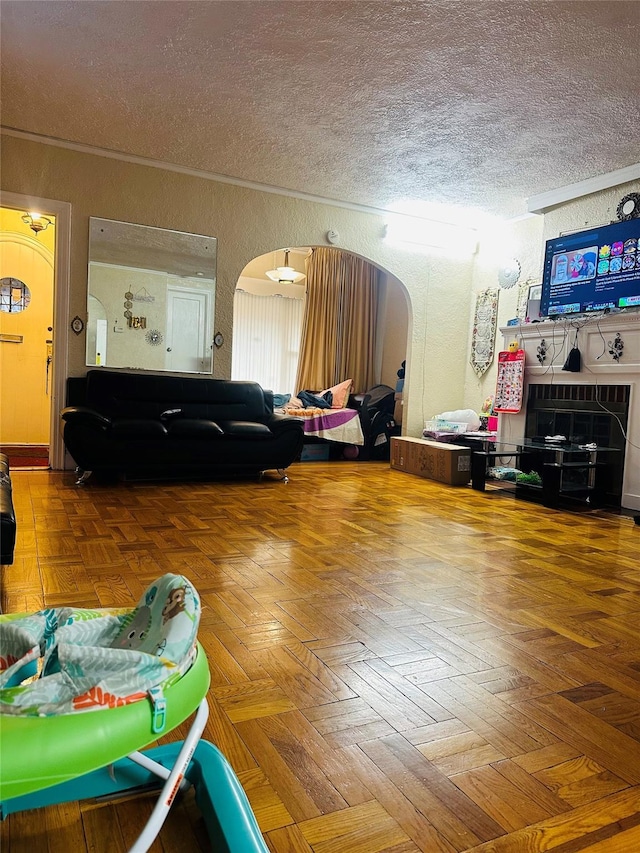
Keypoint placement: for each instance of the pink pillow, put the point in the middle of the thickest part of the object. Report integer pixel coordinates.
(340, 393)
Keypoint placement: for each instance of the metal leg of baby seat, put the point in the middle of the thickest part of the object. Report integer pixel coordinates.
(173, 782)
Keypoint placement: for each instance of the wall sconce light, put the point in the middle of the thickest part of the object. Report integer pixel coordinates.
(37, 222)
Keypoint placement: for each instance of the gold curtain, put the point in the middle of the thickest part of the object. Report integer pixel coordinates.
(338, 333)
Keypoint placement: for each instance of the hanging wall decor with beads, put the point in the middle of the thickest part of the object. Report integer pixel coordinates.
(484, 330)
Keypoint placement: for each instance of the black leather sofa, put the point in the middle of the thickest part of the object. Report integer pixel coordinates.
(7, 514)
(163, 427)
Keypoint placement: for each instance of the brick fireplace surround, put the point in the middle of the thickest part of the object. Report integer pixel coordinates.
(596, 336)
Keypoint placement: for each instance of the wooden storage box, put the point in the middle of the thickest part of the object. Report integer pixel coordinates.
(435, 460)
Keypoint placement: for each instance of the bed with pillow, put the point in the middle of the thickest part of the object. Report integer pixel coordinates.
(326, 415)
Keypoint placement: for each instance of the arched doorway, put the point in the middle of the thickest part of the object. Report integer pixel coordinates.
(258, 290)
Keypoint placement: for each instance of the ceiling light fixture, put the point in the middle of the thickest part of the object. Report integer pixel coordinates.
(285, 274)
(37, 222)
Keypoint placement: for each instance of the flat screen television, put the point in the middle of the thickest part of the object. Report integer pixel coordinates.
(592, 270)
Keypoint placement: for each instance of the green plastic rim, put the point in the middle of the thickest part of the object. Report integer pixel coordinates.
(38, 752)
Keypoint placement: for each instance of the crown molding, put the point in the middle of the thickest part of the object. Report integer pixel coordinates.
(536, 204)
(543, 201)
(187, 170)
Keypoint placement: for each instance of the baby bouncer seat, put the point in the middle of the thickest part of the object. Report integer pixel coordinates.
(83, 692)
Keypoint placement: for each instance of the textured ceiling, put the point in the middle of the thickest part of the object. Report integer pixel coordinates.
(471, 102)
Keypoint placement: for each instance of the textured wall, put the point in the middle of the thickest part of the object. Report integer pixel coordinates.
(248, 223)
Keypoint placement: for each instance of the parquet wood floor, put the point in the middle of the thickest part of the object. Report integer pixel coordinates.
(396, 665)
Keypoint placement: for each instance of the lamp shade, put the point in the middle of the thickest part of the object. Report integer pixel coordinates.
(285, 274)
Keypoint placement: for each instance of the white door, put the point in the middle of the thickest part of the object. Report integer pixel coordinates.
(101, 342)
(188, 330)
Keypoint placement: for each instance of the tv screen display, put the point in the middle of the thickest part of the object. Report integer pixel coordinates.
(592, 270)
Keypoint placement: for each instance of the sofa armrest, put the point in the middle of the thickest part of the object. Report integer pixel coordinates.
(85, 416)
(282, 423)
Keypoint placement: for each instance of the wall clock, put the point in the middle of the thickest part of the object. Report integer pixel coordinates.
(153, 337)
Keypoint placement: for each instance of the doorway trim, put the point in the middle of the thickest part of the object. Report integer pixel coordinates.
(61, 281)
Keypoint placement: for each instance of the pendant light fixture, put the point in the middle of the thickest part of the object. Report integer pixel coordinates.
(285, 274)
(37, 222)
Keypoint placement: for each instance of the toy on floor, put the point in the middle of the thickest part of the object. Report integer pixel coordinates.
(82, 691)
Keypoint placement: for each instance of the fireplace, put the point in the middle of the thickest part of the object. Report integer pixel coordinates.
(584, 413)
(601, 403)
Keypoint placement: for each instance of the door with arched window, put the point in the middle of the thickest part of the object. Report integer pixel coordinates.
(26, 338)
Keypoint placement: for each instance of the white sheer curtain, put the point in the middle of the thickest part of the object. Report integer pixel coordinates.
(266, 340)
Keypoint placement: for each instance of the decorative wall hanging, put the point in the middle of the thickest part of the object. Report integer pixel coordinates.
(77, 325)
(143, 295)
(615, 347)
(484, 330)
(154, 337)
(542, 351)
(509, 273)
(510, 381)
(629, 207)
(128, 305)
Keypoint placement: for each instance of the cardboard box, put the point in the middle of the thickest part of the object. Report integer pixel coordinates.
(435, 460)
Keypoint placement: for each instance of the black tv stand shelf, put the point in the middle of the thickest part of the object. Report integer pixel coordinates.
(569, 473)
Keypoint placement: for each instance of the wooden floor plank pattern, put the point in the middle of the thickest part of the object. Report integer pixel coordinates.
(397, 666)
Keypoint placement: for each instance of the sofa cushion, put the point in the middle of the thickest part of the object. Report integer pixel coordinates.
(135, 395)
(138, 429)
(245, 429)
(193, 428)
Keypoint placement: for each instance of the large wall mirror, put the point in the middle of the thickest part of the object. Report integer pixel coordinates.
(151, 298)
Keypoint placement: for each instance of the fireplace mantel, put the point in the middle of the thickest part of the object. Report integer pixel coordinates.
(598, 367)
